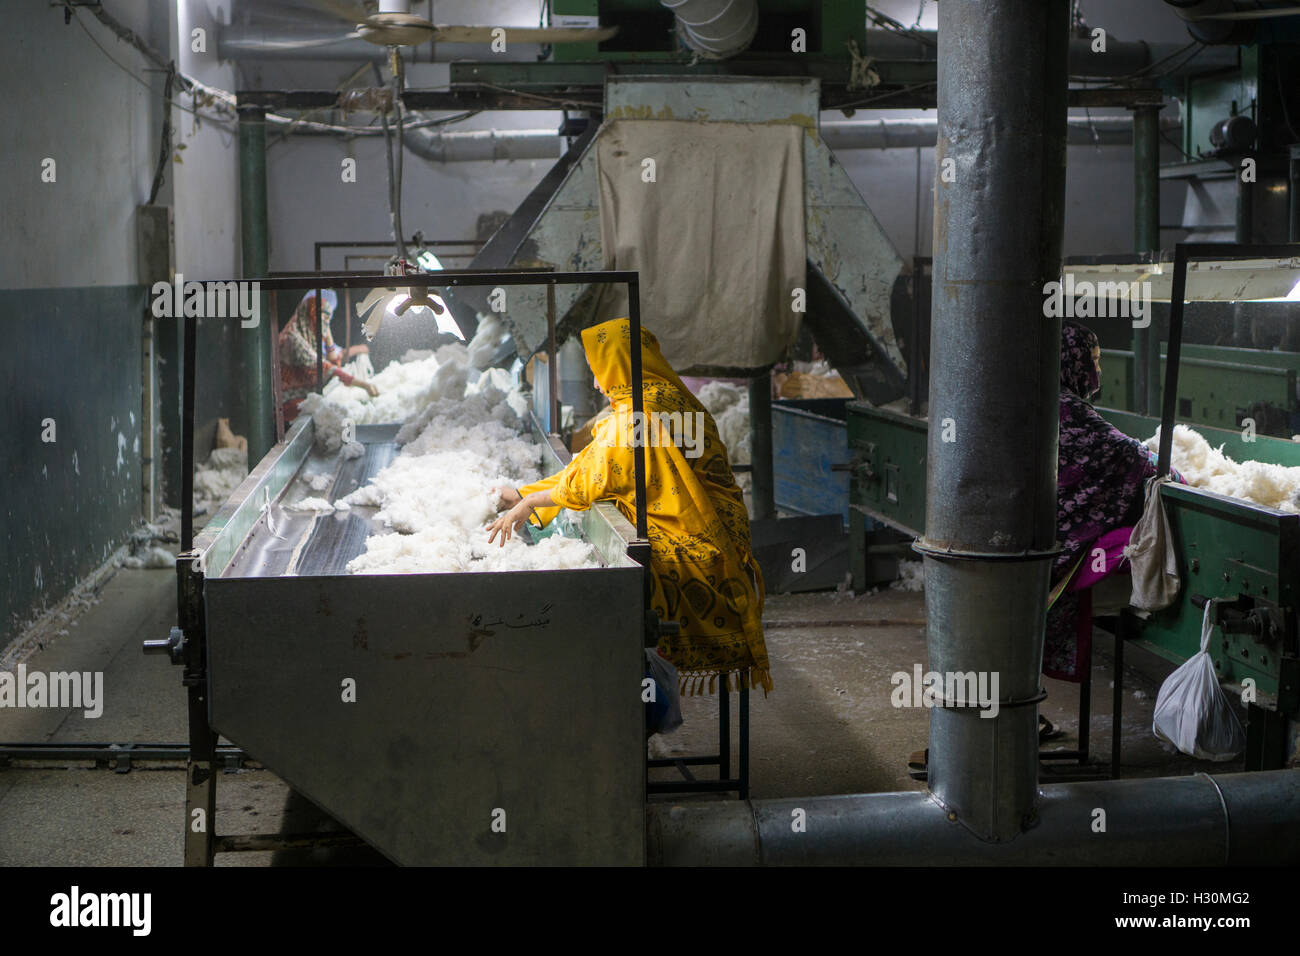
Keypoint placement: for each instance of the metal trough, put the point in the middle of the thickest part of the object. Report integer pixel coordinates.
(473, 718)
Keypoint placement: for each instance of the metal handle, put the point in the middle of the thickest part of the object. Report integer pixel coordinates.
(173, 645)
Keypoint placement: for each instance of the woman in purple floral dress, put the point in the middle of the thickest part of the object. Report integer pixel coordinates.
(1100, 479)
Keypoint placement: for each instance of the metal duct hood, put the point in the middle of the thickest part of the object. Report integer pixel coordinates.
(854, 270)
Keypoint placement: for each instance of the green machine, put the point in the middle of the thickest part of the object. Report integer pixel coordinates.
(1219, 386)
(1244, 555)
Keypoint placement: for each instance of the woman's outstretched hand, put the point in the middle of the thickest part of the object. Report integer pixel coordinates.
(508, 523)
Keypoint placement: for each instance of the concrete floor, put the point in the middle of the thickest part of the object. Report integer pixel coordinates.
(828, 727)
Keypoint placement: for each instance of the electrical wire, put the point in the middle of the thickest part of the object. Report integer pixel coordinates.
(223, 101)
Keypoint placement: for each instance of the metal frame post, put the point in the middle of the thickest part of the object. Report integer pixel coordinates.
(1146, 238)
(255, 251)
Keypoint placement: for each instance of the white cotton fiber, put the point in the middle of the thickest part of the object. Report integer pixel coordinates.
(317, 482)
(1274, 486)
(310, 504)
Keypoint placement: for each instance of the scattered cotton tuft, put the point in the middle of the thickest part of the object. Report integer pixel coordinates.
(911, 576)
(218, 477)
(155, 556)
(485, 342)
(310, 504)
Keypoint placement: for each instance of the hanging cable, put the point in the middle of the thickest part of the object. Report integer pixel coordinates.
(165, 147)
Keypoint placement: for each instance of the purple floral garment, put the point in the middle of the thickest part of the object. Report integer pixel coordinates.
(1100, 478)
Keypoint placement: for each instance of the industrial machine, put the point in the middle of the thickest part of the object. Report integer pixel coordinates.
(369, 693)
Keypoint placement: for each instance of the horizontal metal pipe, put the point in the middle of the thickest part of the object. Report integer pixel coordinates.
(1198, 820)
(923, 131)
(483, 145)
(1121, 57)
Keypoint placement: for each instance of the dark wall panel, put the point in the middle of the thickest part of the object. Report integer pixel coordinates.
(71, 355)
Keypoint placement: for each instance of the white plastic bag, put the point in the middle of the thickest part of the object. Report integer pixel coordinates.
(1150, 551)
(1192, 712)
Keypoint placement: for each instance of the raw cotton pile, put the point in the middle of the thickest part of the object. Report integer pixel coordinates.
(462, 435)
(729, 406)
(1274, 486)
(435, 495)
(218, 477)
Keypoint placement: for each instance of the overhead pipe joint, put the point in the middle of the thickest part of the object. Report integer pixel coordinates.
(715, 29)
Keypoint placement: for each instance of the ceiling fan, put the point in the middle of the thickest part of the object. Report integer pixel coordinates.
(391, 23)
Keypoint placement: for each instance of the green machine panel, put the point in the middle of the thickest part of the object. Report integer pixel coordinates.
(1242, 554)
(1217, 386)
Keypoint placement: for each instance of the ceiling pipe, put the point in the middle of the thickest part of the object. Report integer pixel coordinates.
(463, 146)
(715, 29)
(1122, 58)
(484, 145)
(1200, 17)
(1198, 820)
(990, 525)
(921, 132)
(285, 35)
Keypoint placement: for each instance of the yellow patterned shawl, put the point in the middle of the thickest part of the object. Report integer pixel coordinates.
(703, 570)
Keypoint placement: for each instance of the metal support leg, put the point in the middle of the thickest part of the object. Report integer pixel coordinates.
(724, 732)
(1117, 702)
(760, 446)
(1085, 710)
(744, 742)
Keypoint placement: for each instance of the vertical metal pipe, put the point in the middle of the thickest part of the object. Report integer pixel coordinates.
(188, 348)
(994, 370)
(255, 341)
(1146, 237)
(763, 494)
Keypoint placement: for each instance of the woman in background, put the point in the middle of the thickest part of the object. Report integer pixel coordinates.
(297, 347)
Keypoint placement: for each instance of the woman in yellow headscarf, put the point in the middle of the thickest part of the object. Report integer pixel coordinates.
(703, 572)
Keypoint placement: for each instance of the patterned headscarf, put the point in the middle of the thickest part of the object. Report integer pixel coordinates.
(1078, 371)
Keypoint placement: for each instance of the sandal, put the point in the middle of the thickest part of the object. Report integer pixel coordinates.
(1046, 730)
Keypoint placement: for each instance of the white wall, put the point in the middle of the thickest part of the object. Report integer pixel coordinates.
(205, 182)
(67, 101)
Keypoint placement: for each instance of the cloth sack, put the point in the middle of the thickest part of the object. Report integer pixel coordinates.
(1150, 551)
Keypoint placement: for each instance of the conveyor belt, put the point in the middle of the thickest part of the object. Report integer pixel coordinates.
(304, 543)
(337, 539)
